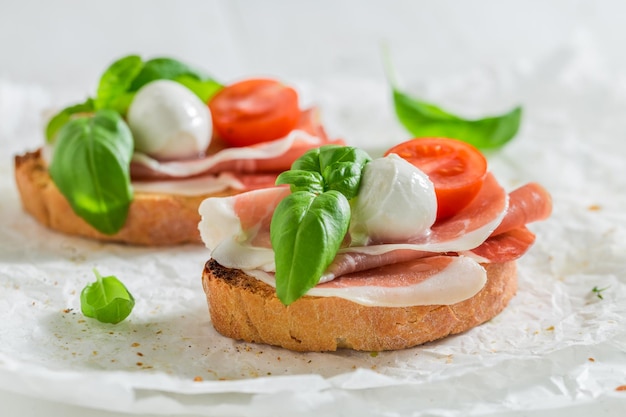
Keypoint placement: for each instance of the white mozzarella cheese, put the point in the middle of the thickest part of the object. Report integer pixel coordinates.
(169, 121)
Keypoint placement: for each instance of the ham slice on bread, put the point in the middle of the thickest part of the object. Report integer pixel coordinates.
(164, 210)
(375, 297)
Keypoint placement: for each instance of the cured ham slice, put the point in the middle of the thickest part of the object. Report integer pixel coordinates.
(436, 280)
(509, 241)
(466, 230)
(504, 247)
(274, 156)
(236, 228)
(350, 261)
(237, 232)
(528, 203)
(245, 244)
(206, 184)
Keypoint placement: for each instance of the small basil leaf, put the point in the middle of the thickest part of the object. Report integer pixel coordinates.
(64, 116)
(344, 177)
(341, 168)
(115, 83)
(171, 69)
(333, 154)
(300, 180)
(91, 168)
(423, 119)
(306, 233)
(106, 300)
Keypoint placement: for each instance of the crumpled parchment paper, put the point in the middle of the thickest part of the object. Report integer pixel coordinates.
(557, 347)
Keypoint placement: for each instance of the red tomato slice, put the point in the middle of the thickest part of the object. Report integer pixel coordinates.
(456, 168)
(254, 111)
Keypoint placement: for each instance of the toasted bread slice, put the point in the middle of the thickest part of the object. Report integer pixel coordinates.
(154, 219)
(247, 309)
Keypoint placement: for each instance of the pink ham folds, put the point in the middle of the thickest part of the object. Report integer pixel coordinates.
(274, 156)
(241, 169)
(440, 268)
(433, 280)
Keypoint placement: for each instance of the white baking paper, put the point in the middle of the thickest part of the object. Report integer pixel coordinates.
(557, 347)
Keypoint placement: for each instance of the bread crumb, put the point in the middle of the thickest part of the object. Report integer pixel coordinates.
(550, 329)
(135, 344)
(198, 379)
(594, 207)
(591, 360)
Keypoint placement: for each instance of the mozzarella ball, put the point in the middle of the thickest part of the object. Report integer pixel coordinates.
(169, 121)
(396, 202)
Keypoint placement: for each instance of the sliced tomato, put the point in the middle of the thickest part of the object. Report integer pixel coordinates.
(254, 111)
(457, 170)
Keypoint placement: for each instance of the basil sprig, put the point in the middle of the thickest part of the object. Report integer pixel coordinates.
(124, 77)
(91, 161)
(106, 300)
(309, 225)
(65, 115)
(91, 168)
(424, 119)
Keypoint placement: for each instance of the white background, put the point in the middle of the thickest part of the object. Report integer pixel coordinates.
(69, 42)
(65, 44)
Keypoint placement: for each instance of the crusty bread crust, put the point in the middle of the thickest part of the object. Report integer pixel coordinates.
(245, 308)
(153, 219)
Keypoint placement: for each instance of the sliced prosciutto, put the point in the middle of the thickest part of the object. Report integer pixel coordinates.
(207, 184)
(273, 156)
(504, 247)
(436, 280)
(476, 231)
(509, 241)
(528, 203)
(236, 228)
(242, 240)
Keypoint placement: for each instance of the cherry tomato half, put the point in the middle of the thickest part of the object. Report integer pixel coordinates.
(254, 111)
(457, 170)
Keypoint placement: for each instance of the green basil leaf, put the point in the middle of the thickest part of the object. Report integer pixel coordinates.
(115, 84)
(300, 180)
(64, 116)
(342, 167)
(106, 300)
(423, 119)
(334, 154)
(91, 168)
(309, 225)
(171, 69)
(306, 232)
(344, 177)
